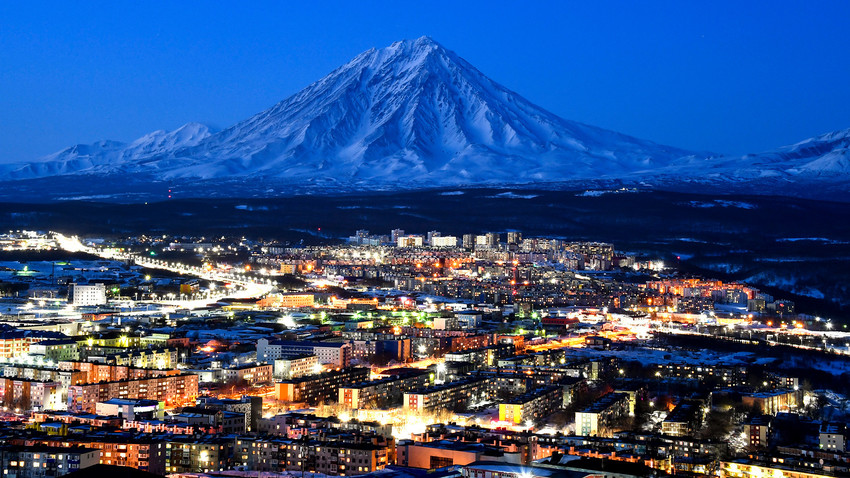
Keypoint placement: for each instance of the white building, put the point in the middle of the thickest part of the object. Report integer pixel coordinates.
(129, 409)
(444, 241)
(410, 241)
(295, 366)
(87, 295)
(337, 354)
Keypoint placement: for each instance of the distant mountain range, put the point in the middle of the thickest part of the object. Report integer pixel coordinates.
(409, 116)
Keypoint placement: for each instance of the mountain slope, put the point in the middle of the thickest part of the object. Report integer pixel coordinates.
(416, 115)
(410, 112)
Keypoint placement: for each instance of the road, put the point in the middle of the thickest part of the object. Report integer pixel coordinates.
(246, 286)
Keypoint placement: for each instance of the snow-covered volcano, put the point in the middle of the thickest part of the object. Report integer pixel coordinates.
(413, 113)
(416, 115)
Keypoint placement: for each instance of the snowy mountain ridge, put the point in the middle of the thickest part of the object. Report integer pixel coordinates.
(415, 115)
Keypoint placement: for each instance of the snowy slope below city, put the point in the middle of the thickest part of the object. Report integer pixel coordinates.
(410, 116)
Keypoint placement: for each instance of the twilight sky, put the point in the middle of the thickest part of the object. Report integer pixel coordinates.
(730, 77)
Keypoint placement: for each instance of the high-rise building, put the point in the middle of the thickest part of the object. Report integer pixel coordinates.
(88, 295)
(468, 241)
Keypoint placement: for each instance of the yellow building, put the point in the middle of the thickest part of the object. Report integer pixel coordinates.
(746, 469)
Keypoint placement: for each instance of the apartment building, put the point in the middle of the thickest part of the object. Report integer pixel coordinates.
(336, 354)
(532, 406)
(172, 389)
(594, 418)
(383, 392)
(318, 388)
(42, 461)
(449, 396)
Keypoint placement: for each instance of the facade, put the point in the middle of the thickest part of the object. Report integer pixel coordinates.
(172, 389)
(593, 419)
(290, 301)
(757, 431)
(483, 356)
(832, 437)
(88, 295)
(17, 343)
(329, 353)
(130, 409)
(163, 358)
(97, 372)
(383, 392)
(295, 366)
(531, 406)
(66, 378)
(683, 420)
(26, 394)
(774, 401)
(449, 396)
(250, 407)
(331, 457)
(212, 420)
(250, 374)
(321, 387)
(728, 375)
(56, 350)
(188, 455)
(45, 461)
(748, 468)
(141, 453)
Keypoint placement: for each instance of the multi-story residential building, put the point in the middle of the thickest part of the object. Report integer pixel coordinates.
(744, 468)
(832, 437)
(449, 396)
(198, 455)
(321, 387)
(482, 357)
(171, 389)
(212, 420)
(251, 374)
(683, 420)
(295, 366)
(25, 394)
(531, 406)
(142, 453)
(727, 375)
(66, 378)
(757, 431)
(16, 343)
(383, 392)
(594, 418)
(88, 295)
(290, 301)
(772, 402)
(56, 349)
(163, 358)
(336, 354)
(42, 461)
(328, 457)
(250, 407)
(97, 372)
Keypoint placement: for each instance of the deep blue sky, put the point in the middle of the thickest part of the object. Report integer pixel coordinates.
(730, 77)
